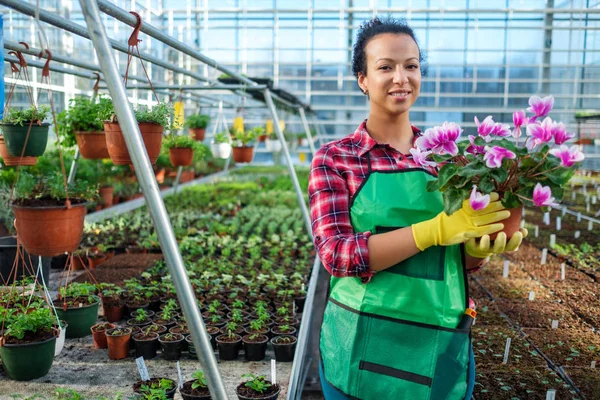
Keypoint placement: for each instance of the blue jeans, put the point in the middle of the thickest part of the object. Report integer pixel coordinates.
(330, 393)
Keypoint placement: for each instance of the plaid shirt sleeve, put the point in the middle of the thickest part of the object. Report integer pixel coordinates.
(343, 252)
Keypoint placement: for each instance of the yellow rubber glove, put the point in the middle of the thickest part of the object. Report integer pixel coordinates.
(484, 248)
(466, 223)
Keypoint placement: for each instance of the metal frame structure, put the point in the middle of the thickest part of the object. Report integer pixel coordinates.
(152, 196)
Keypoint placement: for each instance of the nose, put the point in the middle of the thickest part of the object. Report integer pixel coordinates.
(400, 76)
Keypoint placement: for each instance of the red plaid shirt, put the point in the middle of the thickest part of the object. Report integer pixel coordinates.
(337, 171)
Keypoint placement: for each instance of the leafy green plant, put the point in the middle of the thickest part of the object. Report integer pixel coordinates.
(19, 117)
(179, 142)
(52, 186)
(222, 137)
(199, 380)
(243, 138)
(140, 315)
(197, 121)
(257, 383)
(159, 114)
(82, 115)
(40, 319)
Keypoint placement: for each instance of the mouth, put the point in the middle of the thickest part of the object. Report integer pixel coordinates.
(400, 94)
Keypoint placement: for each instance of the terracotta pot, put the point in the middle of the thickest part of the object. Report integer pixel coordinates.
(93, 262)
(152, 135)
(243, 154)
(186, 176)
(99, 337)
(107, 195)
(262, 138)
(79, 262)
(11, 161)
(181, 157)
(198, 133)
(160, 175)
(50, 231)
(113, 314)
(118, 346)
(511, 224)
(92, 145)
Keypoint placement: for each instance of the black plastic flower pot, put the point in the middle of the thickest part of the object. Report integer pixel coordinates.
(191, 348)
(229, 347)
(299, 301)
(171, 350)
(245, 393)
(145, 347)
(170, 392)
(188, 393)
(284, 352)
(255, 350)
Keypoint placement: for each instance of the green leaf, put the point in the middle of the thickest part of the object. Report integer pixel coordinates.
(486, 184)
(433, 186)
(453, 199)
(473, 169)
(499, 174)
(446, 173)
(510, 200)
(560, 176)
(507, 144)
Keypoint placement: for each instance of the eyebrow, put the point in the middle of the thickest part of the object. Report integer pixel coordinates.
(389, 59)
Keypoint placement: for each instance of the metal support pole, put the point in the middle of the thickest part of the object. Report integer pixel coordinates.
(176, 183)
(311, 144)
(289, 161)
(156, 207)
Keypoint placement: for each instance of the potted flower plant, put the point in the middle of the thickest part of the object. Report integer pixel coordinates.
(257, 387)
(28, 344)
(221, 145)
(25, 129)
(196, 389)
(273, 143)
(152, 123)
(528, 172)
(79, 124)
(243, 150)
(99, 334)
(47, 224)
(78, 305)
(197, 124)
(156, 388)
(181, 150)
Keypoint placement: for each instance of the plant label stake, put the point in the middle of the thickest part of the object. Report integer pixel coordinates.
(551, 394)
(564, 211)
(573, 194)
(547, 218)
(562, 271)
(558, 223)
(554, 324)
(142, 369)
(593, 364)
(590, 225)
(577, 234)
(537, 231)
(544, 255)
(180, 375)
(587, 207)
(578, 217)
(522, 224)
(506, 351)
(273, 372)
(523, 213)
(505, 271)
(531, 295)
(552, 240)
(594, 199)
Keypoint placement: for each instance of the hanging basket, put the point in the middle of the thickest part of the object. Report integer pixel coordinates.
(15, 136)
(182, 156)
(152, 135)
(198, 133)
(92, 145)
(49, 231)
(221, 150)
(243, 154)
(11, 161)
(274, 145)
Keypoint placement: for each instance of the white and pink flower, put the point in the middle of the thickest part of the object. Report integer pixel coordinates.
(542, 196)
(560, 134)
(474, 149)
(540, 106)
(478, 201)
(441, 139)
(420, 158)
(519, 119)
(568, 156)
(539, 133)
(494, 155)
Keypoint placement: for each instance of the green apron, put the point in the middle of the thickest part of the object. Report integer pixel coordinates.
(396, 337)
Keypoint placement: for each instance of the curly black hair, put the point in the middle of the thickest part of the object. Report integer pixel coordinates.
(376, 26)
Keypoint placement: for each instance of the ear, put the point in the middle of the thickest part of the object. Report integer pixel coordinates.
(363, 82)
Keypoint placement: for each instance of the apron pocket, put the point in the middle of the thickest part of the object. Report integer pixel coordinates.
(381, 382)
(427, 264)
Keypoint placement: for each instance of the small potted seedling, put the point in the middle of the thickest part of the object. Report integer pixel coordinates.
(197, 124)
(283, 330)
(156, 388)
(112, 304)
(170, 344)
(140, 317)
(221, 145)
(257, 326)
(166, 317)
(118, 342)
(285, 347)
(257, 388)
(146, 342)
(233, 327)
(229, 345)
(196, 389)
(98, 334)
(255, 346)
(181, 150)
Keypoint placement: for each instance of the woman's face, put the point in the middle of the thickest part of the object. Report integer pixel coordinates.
(393, 79)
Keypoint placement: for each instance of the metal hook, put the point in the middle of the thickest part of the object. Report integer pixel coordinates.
(97, 84)
(133, 39)
(46, 69)
(19, 55)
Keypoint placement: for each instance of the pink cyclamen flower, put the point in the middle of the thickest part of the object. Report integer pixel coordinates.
(519, 119)
(542, 196)
(540, 106)
(501, 130)
(560, 134)
(420, 158)
(478, 201)
(441, 139)
(539, 132)
(473, 149)
(494, 155)
(568, 156)
(485, 127)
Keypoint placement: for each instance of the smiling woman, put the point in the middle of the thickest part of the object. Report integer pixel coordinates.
(398, 319)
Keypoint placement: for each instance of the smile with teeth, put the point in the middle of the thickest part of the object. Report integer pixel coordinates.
(400, 94)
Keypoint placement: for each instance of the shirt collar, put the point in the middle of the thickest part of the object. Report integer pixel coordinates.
(364, 142)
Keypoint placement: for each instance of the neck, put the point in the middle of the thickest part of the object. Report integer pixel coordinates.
(394, 130)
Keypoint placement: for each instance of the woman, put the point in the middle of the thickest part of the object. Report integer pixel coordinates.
(394, 326)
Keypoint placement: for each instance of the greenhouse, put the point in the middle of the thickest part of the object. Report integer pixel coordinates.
(276, 199)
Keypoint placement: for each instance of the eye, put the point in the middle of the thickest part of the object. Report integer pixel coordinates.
(383, 67)
(413, 66)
